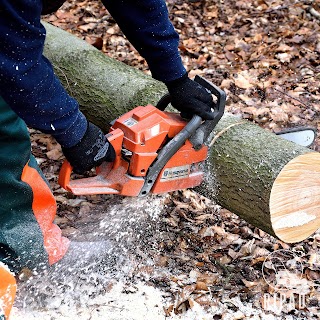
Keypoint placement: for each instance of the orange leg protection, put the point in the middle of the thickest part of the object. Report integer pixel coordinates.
(44, 208)
(8, 289)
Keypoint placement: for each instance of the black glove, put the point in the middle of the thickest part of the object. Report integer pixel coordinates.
(90, 151)
(190, 98)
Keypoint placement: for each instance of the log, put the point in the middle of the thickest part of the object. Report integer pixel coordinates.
(272, 183)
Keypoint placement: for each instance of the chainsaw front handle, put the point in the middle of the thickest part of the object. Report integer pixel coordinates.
(164, 102)
(203, 131)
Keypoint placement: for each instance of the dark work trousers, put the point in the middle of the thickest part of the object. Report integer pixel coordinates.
(28, 236)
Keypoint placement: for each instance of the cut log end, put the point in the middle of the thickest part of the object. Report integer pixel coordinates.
(295, 199)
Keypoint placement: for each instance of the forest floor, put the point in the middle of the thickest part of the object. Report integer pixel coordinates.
(180, 256)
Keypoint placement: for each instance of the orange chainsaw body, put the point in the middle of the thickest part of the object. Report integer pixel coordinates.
(137, 138)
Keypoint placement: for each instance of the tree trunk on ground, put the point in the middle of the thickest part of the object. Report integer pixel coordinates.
(271, 183)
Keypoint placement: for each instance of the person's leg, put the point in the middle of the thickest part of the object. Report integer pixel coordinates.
(28, 237)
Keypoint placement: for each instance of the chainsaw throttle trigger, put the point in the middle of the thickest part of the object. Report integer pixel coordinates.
(203, 132)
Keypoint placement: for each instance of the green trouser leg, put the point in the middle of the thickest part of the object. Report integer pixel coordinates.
(27, 207)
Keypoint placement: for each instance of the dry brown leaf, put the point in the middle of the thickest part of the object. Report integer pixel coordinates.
(226, 83)
(161, 261)
(248, 248)
(112, 30)
(97, 42)
(283, 48)
(168, 311)
(208, 278)
(204, 300)
(224, 259)
(55, 154)
(185, 294)
(65, 15)
(243, 80)
(203, 217)
(250, 284)
(233, 254)
(284, 57)
(314, 261)
(312, 275)
(201, 286)
(260, 252)
(257, 260)
(249, 112)
(278, 115)
(87, 27)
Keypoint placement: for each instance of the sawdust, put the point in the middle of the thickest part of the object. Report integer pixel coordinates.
(112, 270)
(91, 280)
(99, 279)
(120, 302)
(143, 258)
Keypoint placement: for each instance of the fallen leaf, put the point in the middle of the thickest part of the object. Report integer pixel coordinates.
(185, 294)
(54, 154)
(242, 80)
(201, 286)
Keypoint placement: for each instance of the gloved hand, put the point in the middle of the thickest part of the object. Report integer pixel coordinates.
(90, 151)
(190, 98)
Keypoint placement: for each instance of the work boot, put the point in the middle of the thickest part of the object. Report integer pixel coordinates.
(8, 289)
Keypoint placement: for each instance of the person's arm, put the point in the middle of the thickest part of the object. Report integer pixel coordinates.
(29, 85)
(147, 26)
(27, 81)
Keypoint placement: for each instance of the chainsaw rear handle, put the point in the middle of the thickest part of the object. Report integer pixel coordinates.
(114, 138)
(204, 130)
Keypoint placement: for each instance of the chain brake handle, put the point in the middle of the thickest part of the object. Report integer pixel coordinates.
(203, 131)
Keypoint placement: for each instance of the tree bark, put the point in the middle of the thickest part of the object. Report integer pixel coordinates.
(270, 182)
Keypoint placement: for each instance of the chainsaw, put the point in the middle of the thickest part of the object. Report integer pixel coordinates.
(156, 151)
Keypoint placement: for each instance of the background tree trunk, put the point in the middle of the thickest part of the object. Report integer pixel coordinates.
(269, 182)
